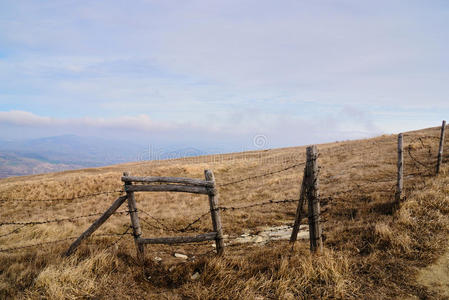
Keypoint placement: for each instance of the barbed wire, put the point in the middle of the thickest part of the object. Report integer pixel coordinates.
(60, 199)
(415, 160)
(149, 224)
(420, 136)
(189, 226)
(13, 231)
(262, 175)
(38, 222)
(164, 227)
(64, 240)
(225, 208)
(38, 244)
(120, 238)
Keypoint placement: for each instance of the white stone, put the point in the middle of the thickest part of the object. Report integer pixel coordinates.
(195, 276)
(179, 255)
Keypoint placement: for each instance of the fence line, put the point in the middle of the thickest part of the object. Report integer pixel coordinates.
(162, 226)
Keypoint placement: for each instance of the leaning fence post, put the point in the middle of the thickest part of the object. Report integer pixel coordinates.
(111, 210)
(440, 148)
(299, 210)
(215, 213)
(137, 232)
(316, 242)
(400, 183)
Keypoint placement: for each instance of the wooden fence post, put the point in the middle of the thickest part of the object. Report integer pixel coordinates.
(215, 213)
(440, 148)
(137, 232)
(316, 242)
(299, 210)
(111, 210)
(400, 183)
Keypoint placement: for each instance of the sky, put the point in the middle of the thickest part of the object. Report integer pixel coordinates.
(222, 74)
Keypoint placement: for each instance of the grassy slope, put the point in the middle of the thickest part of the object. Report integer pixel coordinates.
(371, 252)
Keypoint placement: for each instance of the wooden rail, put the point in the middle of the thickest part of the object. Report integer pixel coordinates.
(179, 239)
(155, 179)
(167, 188)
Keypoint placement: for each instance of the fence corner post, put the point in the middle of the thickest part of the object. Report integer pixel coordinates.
(400, 175)
(215, 213)
(316, 241)
(440, 148)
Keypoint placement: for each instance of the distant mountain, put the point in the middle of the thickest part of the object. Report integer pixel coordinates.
(73, 150)
(66, 152)
(15, 165)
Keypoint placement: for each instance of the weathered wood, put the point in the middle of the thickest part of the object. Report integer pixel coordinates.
(215, 213)
(179, 239)
(312, 193)
(299, 210)
(440, 148)
(137, 231)
(156, 179)
(400, 175)
(112, 209)
(168, 188)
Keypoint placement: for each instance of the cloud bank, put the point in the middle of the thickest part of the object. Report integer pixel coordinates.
(236, 134)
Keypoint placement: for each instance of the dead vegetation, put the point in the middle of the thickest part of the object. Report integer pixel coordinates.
(371, 251)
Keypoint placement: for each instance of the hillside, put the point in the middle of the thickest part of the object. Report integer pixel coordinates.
(371, 251)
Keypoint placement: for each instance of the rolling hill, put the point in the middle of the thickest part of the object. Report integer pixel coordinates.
(372, 250)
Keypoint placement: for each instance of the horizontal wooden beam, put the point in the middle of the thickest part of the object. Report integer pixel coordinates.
(188, 181)
(179, 239)
(169, 188)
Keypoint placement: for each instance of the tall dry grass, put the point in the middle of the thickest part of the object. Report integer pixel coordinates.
(371, 251)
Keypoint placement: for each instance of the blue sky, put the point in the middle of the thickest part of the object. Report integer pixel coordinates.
(218, 73)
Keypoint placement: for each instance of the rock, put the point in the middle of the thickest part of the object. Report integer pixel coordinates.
(179, 255)
(258, 239)
(157, 258)
(195, 276)
(171, 268)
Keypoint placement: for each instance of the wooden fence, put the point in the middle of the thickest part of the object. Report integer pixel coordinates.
(309, 191)
(170, 184)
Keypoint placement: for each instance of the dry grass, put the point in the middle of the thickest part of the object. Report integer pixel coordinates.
(371, 251)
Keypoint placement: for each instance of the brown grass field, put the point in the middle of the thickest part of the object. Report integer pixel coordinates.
(372, 251)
